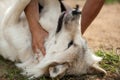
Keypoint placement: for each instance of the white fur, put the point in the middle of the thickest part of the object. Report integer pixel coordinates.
(15, 41)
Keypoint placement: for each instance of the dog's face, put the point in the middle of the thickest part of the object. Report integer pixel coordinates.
(69, 20)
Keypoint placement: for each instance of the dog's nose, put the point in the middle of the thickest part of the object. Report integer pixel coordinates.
(76, 11)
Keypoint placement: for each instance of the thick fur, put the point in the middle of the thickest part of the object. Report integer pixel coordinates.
(15, 41)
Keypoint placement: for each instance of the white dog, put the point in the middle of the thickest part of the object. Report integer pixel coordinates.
(66, 50)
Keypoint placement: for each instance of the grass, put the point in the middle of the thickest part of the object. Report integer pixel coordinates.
(111, 1)
(111, 63)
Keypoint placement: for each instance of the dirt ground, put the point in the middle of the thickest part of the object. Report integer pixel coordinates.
(104, 32)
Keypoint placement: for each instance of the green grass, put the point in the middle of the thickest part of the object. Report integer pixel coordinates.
(110, 62)
(111, 1)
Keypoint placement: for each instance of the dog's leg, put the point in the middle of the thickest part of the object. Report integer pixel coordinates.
(13, 13)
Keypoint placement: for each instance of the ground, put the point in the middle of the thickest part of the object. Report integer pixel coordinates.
(104, 32)
(103, 36)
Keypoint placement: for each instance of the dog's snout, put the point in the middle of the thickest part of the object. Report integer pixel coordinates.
(76, 11)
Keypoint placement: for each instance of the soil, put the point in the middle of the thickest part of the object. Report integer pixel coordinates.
(104, 32)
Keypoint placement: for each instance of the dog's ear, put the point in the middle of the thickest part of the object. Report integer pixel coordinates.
(93, 61)
(96, 69)
(58, 70)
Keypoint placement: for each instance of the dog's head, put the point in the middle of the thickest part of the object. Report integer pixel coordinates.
(69, 20)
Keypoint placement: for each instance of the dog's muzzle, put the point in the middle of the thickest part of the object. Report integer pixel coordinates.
(76, 11)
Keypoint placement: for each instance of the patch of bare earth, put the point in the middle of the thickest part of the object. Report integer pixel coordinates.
(104, 32)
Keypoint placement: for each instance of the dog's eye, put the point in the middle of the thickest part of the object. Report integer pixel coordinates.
(70, 43)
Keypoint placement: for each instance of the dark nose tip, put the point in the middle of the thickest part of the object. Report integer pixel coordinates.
(76, 11)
